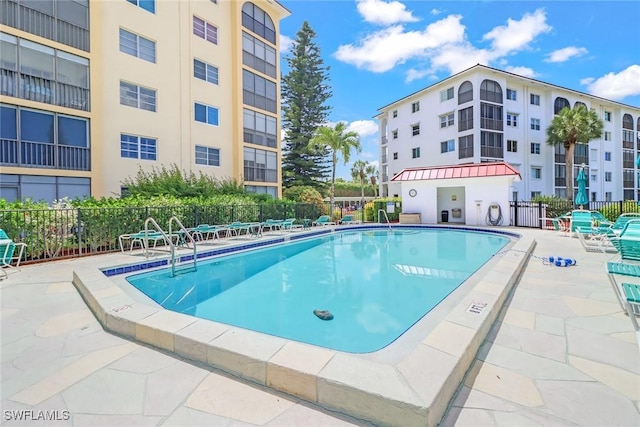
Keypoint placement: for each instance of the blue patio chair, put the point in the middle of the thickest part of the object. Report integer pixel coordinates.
(8, 253)
(349, 219)
(629, 270)
(290, 225)
(323, 220)
(622, 220)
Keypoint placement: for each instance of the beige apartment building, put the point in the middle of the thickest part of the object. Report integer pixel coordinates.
(93, 91)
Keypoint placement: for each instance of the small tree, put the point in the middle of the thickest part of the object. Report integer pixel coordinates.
(359, 174)
(335, 140)
(372, 172)
(570, 127)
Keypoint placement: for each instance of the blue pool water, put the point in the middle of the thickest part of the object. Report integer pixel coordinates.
(376, 283)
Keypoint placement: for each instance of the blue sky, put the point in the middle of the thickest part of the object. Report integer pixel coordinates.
(380, 51)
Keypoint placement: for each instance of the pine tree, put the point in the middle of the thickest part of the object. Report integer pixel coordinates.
(305, 90)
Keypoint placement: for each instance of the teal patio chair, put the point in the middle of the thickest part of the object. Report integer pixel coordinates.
(622, 220)
(581, 222)
(632, 307)
(323, 220)
(8, 250)
(349, 219)
(290, 225)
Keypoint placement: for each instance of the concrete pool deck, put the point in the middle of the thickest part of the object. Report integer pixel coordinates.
(560, 353)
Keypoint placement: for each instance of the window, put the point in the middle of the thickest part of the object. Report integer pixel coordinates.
(206, 114)
(260, 165)
(465, 147)
(415, 107)
(148, 5)
(446, 94)
(394, 134)
(136, 147)
(607, 136)
(395, 156)
(465, 119)
(512, 120)
(415, 130)
(491, 91)
(465, 92)
(535, 148)
(262, 189)
(535, 124)
(491, 144)
(207, 156)
(205, 30)
(607, 176)
(534, 99)
(491, 116)
(137, 96)
(447, 120)
(258, 21)
(512, 146)
(138, 46)
(447, 146)
(607, 156)
(204, 71)
(259, 128)
(594, 177)
(511, 94)
(415, 153)
(258, 91)
(258, 55)
(535, 194)
(395, 113)
(607, 116)
(536, 172)
(560, 104)
(607, 196)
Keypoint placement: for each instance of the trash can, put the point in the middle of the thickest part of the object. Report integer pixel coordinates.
(445, 216)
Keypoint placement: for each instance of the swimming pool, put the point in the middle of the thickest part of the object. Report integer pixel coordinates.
(376, 283)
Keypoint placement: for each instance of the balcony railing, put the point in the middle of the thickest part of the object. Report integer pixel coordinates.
(384, 158)
(385, 178)
(38, 89)
(495, 152)
(43, 25)
(384, 140)
(43, 155)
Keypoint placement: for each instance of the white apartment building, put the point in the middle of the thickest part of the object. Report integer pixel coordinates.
(484, 114)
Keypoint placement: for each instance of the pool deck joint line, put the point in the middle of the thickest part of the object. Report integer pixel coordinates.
(415, 388)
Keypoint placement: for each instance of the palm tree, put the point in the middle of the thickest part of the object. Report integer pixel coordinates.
(336, 140)
(359, 173)
(570, 127)
(372, 173)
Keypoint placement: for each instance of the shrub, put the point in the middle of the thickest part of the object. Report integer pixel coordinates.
(556, 206)
(372, 208)
(612, 210)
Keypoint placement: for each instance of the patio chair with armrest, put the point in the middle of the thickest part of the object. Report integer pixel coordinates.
(349, 219)
(290, 225)
(8, 252)
(622, 220)
(139, 238)
(323, 220)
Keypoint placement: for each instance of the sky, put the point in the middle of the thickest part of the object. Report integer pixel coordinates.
(379, 51)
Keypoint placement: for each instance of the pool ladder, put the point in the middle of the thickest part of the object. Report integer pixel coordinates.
(384, 214)
(183, 237)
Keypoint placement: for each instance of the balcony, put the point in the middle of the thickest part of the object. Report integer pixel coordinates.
(384, 140)
(385, 178)
(384, 158)
(494, 152)
(38, 89)
(43, 155)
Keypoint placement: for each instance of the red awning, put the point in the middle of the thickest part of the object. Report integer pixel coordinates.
(471, 170)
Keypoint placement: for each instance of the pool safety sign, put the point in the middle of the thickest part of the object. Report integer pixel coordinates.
(391, 207)
(477, 307)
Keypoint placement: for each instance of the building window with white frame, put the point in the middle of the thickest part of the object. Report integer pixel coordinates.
(512, 120)
(395, 156)
(207, 156)
(607, 156)
(415, 107)
(535, 194)
(535, 124)
(512, 146)
(607, 135)
(511, 94)
(447, 120)
(534, 99)
(607, 176)
(205, 30)
(137, 96)
(394, 114)
(607, 196)
(138, 46)
(148, 5)
(607, 116)
(394, 134)
(535, 148)
(415, 129)
(448, 146)
(446, 94)
(415, 153)
(204, 71)
(594, 177)
(207, 114)
(138, 147)
(536, 172)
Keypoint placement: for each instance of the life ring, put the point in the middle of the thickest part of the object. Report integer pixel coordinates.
(561, 262)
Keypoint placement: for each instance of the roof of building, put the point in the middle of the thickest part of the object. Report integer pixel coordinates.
(469, 170)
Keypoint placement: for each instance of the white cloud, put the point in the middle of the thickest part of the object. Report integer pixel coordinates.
(414, 74)
(384, 13)
(517, 35)
(384, 49)
(522, 71)
(436, 11)
(285, 43)
(564, 54)
(615, 86)
(364, 128)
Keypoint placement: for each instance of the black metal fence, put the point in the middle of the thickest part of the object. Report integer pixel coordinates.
(65, 233)
(531, 214)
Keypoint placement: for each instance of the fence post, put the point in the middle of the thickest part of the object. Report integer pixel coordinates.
(621, 204)
(196, 216)
(79, 228)
(515, 214)
(540, 213)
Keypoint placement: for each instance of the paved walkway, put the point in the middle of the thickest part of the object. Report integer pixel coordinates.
(562, 354)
